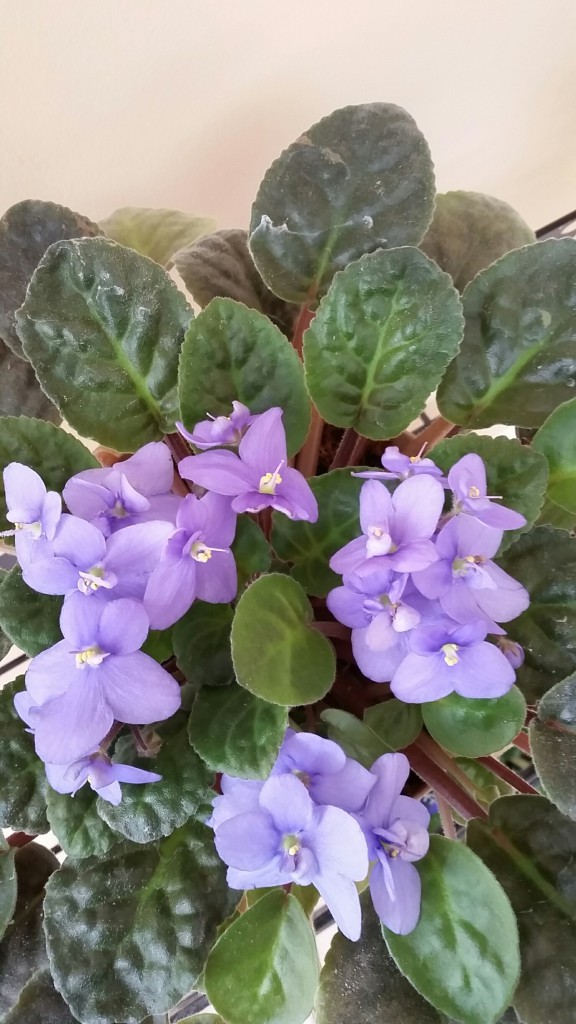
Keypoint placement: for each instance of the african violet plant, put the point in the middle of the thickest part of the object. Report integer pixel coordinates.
(273, 625)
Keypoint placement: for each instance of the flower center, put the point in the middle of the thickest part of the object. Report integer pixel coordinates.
(34, 528)
(450, 656)
(91, 580)
(473, 492)
(303, 777)
(390, 848)
(460, 566)
(89, 656)
(119, 511)
(200, 552)
(291, 844)
(270, 481)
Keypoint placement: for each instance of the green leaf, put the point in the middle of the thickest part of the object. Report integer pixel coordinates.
(158, 234)
(203, 1018)
(39, 1001)
(155, 809)
(463, 954)
(23, 949)
(514, 471)
(360, 179)
(556, 439)
(251, 551)
(310, 546)
(103, 327)
(355, 737)
(26, 231)
(469, 231)
(553, 744)
(5, 641)
(138, 922)
(22, 777)
(475, 726)
(235, 732)
(544, 561)
(20, 392)
(77, 825)
(395, 723)
(488, 787)
(518, 358)
(360, 982)
(7, 885)
(202, 644)
(531, 848)
(306, 895)
(264, 968)
(277, 654)
(232, 353)
(159, 645)
(381, 340)
(554, 515)
(30, 619)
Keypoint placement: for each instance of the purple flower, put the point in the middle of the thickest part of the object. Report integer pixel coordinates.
(100, 773)
(287, 838)
(396, 829)
(322, 766)
(34, 511)
(396, 528)
(401, 467)
(467, 478)
(512, 651)
(196, 563)
(219, 430)
(445, 658)
(259, 476)
(94, 676)
(134, 491)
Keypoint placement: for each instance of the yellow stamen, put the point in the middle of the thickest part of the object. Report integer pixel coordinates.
(89, 656)
(269, 482)
(473, 492)
(450, 656)
(200, 552)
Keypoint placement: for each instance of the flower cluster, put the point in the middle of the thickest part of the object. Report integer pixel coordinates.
(322, 819)
(420, 589)
(131, 555)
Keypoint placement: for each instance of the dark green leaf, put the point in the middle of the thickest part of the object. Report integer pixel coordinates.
(514, 471)
(103, 327)
(138, 922)
(475, 726)
(463, 954)
(306, 895)
(155, 809)
(531, 848)
(26, 231)
(251, 551)
(30, 619)
(77, 825)
(355, 737)
(544, 560)
(381, 340)
(360, 982)
(554, 515)
(159, 645)
(232, 353)
(469, 231)
(277, 653)
(518, 358)
(556, 439)
(553, 744)
(155, 233)
(359, 180)
(7, 885)
(395, 723)
(20, 392)
(264, 968)
(235, 732)
(39, 1001)
(309, 546)
(202, 644)
(22, 777)
(5, 641)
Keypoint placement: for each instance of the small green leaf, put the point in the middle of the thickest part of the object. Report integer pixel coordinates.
(103, 327)
(310, 546)
(20, 392)
(202, 644)
(475, 726)
(553, 744)
(360, 179)
(381, 340)
(355, 737)
(251, 551)
(137, 922)
(544, 561)
(264, 968)
(556, 439)
(277, 653)
(232, 353)
(155, 809)
(158, 234)
(22, 777)
(77, 825)
(39, 1001)
(463, 954)
(7, 885)
(235, 732)
(488, 787)
(30, 619)
(395, 723)
(515, 472)
(518, 357)
(469, 231)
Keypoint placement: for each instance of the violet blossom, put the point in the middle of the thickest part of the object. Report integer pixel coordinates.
(322, 766)
(219, 430)
(401, 467)
(34, 511)
(101, 774)
(467, 479)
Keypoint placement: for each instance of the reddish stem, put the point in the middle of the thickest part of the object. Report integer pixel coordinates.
(343, 456)
(508, 775)
(303, 321)
(18, 839)
(335, 629)
(446, 818)
(359, 451)
(523, 743)
(307, 460)
(434, 432)
(443, 784)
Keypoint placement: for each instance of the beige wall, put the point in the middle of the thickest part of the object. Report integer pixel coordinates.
(184, 103)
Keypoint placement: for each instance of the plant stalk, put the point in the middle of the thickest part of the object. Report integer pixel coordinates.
(508, 775)
(446, 818)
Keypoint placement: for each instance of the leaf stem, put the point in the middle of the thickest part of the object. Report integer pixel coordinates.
(303, 321)
(345, 450)
(446, 818)
(523, 743)
(432, 434)
(442, 783)
(335, 629)
(19, 839)
(508, 775)
(307, 460)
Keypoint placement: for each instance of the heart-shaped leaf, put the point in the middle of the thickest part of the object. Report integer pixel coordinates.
(77, 825)
(103, 327)
(202, 644)
(22, 777)
(30, 619)
(556, 439)
(20, 392)
(553, 744)
(360, 179)
(235, 732)
(381, 340)
(264, 968)
(473, 727)
(7, 885)
(518, 357)
(157, 234)
(277, 654)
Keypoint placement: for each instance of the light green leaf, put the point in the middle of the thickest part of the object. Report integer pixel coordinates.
(7, 884)
(556, 439)
(355, 737)
(395, 723)
(103, 327)
(30, 619)
(77, 825)
(235, 732)
(518, 357)
(264, 968)
(202, 644)
(360, 179)
(158, 234)
(22, 777)
(380, 341)
(277, 654)
(20, 392)
(475, 726)
(553, 744)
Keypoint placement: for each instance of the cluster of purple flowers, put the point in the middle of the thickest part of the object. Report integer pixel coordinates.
(322, 819)
(130, 555)
(420, 589)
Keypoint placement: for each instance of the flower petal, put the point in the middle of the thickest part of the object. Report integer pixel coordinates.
(50, 575)
(379, 666)
(306, 752)
(217, 580)
(347, 606)
(338, 844)
(80, 621)
(400, 914)
(79, 542)
(150, 470)
(137, 549)
(263, 447)
(138, 690)
(123, 626)
(25, 492)
(222, 472)
(288, 803)
(347, 559)
(421, 679)
(483, 671)
(248, 841)
(418, 504)
(375, 505)
(347, 788)
(390, 772)
(73, 724)
(296, 493)
(51, 673)
(170, 591)
(341, 897)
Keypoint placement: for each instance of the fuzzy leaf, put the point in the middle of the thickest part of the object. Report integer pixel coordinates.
(553, 744)
(22, 777)
(475, 726)
(157, 234)
(202, 644)
(556, 439)
(30, 619)
(7, 885)
(40, 1001)
(77, 825)
(20, 392)
(235, 732)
